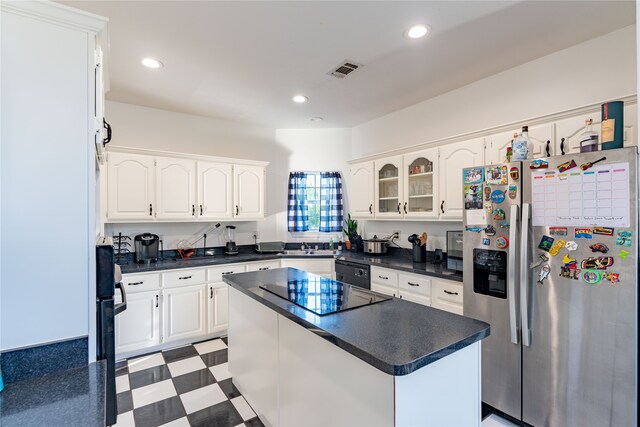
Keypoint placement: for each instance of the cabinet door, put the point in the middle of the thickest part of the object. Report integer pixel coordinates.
(420, 184)
(218, 307)
(183, 312)
(139, 325)
(453, 158)
(496, 147)
(248, 183)
(215, 190)
(541, 137)
(176, 188)
(388, 187)
(361, 192)
(418, 299)
(130, 188)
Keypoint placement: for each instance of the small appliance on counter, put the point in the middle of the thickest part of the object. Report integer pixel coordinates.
(454, 250)
(146, 247)
(230, 236)
(419, 253)
(269, 247)
(376, 246)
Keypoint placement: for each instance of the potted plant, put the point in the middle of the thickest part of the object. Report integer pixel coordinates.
(351, 231)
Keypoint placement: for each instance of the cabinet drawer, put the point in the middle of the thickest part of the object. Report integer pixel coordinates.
(140, 282)
(384, 276)
(317, 266)
(216, 273)
(264, 265)
(184, 277)
(415, 284)
(448, 291)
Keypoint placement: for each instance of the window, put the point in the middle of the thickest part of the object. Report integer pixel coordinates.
(315, 202)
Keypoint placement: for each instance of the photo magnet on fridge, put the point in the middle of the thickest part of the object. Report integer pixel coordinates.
(545, 243)
(496, 175)
(624, 238)
(473, 175)
(473, 196)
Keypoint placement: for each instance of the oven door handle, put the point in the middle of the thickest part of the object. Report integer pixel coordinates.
(119, 308)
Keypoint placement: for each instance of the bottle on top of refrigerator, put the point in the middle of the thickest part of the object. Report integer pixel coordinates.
(520, 146)
(589, 138)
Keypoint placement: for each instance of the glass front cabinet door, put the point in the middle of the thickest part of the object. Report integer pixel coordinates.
(388, 189)
(420, 184)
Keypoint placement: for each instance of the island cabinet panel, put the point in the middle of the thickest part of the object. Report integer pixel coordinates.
(424, 397)
(253, 354)
(322, 385)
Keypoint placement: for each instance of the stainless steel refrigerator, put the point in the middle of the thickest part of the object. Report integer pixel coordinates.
(551, 263)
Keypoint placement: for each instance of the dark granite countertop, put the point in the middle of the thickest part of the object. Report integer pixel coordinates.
(395, 336)
(74, 397)
(396, 259)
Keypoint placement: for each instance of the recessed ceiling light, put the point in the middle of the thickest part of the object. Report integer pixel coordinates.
(417, 31)
(152, 63)
(316, 119)
(300, 99)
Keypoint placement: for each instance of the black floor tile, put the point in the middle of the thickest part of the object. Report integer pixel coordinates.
(179, 353)
(226, 340)
(221, 415)
(159, 413)
(125, 402)
(229, 389)
(193, 380)
(149, 376)
(254, 422)
(122, 368)
(215, 358)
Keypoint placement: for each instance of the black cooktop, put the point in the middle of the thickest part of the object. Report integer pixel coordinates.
(324, 296)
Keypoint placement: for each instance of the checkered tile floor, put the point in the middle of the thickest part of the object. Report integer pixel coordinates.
(185, 386)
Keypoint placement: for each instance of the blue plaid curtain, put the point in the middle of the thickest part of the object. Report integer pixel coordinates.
(297, 212)
(330, 202)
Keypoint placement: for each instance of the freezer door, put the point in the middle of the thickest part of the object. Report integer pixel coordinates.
(490, 291)
(579, 366)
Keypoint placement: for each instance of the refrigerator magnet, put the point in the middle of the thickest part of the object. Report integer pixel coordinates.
(557, 246)
(538, 164)
(569, 273)
(474, 229)
(544, 273)
(558, 231)
(486, 241)
(496, 174)
(545, 243)
(473, 196)
(571, 245)
(597, 263)
(604, 231)
(623, 254)
(473, 175)
(498, 214)
(624, 238)
(588, 165)
(502, 242)
(542, 258)
(488, 207)
(583, 233)
(569, 262)
(513, 191)
(599, 247)
(592, 277)
(490, 230)
(515, 173)
(504, 224)
(567, 165)
(613, 278)
(487, 193)
(497, 196)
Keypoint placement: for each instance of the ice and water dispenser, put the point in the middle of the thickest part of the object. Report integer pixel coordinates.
(490, 272)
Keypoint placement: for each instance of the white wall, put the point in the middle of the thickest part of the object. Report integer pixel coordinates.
(597, 70)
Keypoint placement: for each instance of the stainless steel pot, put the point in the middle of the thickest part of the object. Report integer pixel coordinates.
(376, 246)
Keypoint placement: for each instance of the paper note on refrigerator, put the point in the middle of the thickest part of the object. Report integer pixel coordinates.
(596, 196)
(476, 217)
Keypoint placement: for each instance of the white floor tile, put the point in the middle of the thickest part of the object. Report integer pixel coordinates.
(243, 408)
(153, 393)
(210, 346)
(202, 398)
(125, 420)
(494, 420)
(122, 383)
(221, 371)
(185, 366)
(180, 422)
(146, 362)
(241, 425)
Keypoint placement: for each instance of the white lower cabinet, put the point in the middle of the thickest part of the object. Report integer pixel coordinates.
(218, 307)
(447, 295)
(322, 267)
(139, 325)
(184, 312)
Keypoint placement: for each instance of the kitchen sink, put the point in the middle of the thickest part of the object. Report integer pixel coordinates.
(310, 252)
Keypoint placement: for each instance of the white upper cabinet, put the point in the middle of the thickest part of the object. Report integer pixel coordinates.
(420, 184)
(388, 187)
(540, 137)
(361, 192)
(496, 147)
(453, 158)
(176, 188)
(215, 190)
(131, 184)
(248, 183)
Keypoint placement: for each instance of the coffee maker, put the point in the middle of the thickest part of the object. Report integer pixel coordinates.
(146, 246)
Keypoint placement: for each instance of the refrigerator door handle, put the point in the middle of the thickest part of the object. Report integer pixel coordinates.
(511, 268)
(524, 276)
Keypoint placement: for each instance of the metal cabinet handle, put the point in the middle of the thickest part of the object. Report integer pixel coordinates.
(210, 293)
(227, 272)
(442, 206)
(400, 296)
(562, 146)
(548, 148)
(383, 277)
(449, 292)
(405, 207)
(371, 209)
(135, 283)
(185, 277)
(263, 268)
(237, 210)
(157, 300)
(193, 210)
(400, 212)
(413, 284)
(150, 209)
(200, 209)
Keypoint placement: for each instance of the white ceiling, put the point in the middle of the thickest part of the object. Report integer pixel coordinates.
(243, 61)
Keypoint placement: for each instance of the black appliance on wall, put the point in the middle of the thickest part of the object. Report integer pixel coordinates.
(108, 278)
(353, 273)
(146, 246)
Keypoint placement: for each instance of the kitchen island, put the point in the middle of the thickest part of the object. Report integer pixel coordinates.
(386, 363)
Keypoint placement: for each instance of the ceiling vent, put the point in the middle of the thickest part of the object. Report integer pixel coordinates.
(344, 69)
